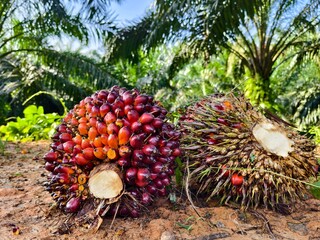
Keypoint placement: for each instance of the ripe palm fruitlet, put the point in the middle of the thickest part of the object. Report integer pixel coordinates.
(113, 154)
(235, 152)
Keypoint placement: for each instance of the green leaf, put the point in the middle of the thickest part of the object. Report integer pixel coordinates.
(316, 190)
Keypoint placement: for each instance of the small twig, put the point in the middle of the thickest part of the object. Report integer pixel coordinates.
(189, 197)
(266, 222)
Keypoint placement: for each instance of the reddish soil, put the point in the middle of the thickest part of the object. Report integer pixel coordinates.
(26, 205)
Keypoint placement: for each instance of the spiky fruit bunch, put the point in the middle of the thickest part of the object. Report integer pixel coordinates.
(235, 152)
(113, 152)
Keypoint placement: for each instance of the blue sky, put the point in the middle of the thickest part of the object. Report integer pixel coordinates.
(130, 10)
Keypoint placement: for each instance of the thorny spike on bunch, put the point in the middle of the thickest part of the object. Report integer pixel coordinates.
(105, 155)
(236, 153)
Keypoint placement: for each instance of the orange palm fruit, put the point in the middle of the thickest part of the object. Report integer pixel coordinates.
(124, 135)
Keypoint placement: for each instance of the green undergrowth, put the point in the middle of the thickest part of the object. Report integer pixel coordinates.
(35, 125)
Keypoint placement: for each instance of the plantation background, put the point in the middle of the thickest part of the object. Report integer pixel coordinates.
(53, 54)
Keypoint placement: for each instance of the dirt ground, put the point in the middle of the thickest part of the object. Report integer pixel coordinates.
(26, 206)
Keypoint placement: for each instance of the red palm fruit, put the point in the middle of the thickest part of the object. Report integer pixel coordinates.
(77, 149)
(163, 159)
(112, 128)
(154, 140)
(162, 142)
(97, 142)
(85, 143)
(141, 99)
(119, 112)
(81, 160)
(49, 166)
(136, 127)
(104, 109)
(111, 97)
(88, 100)
(73, 205)
(157, 167)
(148, 129)
(88, 153)
(101, 127)
(151, 188)
(62, 128)
(104, 138)
(92, 133)
(137, 155)
(176, 152)
(126, 123)
(133, 116)
(162, 192)
(64, 137)
(127, 108)
(99, 153)
(166, 181)
(112, 154)
(222, 121)
(165, 151)
(149, 160)
(82, 128)
(212, 141)
(140, 108)
(128, 98)
(110, 117)
(74, 122)
(143, 174)
(51, 156)
(237, 125)
(136, 141)
(130, 175)
(113, 141)
(158, 183)
(125, 151)
(93, 121)
(146, 118)
(118, 103)
(141, 183)
(68, 146)
(74, 187)
(95, 111)
(155, 110)
(123, 162)
(63, 178)
(102, 94)
(157, 123)
(77, 139)
(63, 169)
(124, 135)
(150, 150)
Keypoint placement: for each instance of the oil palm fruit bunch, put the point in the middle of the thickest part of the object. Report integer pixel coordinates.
(236, 153)
(113, 153)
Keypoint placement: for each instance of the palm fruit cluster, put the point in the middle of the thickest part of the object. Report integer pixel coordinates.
(113, 152)
(236, 153)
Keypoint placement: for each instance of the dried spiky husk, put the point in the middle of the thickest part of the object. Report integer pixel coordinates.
(221, 137)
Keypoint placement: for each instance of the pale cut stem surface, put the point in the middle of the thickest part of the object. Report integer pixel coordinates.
(106, 184)
(273, 139)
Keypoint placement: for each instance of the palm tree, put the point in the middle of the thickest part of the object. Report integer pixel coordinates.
(28, 61)
(257, 33)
